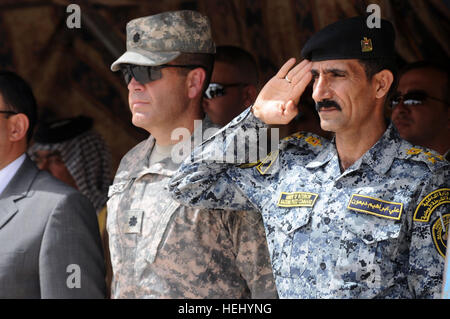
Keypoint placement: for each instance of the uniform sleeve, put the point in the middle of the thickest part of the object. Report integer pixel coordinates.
(429, 237)
(252, 255)
(207, 178)
(71, 263)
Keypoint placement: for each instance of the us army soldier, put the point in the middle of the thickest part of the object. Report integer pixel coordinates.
(365, 216)
(159, 248)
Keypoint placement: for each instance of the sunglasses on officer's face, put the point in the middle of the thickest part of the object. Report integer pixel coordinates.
(145, 74)
(413, 98)
(216, 89)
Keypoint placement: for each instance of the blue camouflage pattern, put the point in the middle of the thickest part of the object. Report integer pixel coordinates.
(330, 244)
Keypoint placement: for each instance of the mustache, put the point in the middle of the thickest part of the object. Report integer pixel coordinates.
(327, 103)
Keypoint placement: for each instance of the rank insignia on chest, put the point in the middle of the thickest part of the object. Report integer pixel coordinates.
(133, 221)
(297, 199)
(375, 206)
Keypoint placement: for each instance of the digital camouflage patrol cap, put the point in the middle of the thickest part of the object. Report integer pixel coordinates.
(161, 38)
(351, 39)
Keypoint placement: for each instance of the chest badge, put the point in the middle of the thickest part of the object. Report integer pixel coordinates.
(297, 199)
(375, 206)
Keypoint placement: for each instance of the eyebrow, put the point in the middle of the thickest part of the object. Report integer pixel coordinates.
(314, 72)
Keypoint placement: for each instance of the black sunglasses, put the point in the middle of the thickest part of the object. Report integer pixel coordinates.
(413, 98)
(145, 74)
(217, 89)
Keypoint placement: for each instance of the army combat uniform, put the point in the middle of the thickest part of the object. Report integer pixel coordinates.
(161, 249)
(376, 230)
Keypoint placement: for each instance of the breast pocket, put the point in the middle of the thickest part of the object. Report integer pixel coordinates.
(291, 241)
(367, 248)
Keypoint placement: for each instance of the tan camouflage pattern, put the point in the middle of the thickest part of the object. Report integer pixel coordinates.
(161, 249)
(181, 31)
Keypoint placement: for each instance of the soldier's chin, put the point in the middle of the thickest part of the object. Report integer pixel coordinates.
(328, 126)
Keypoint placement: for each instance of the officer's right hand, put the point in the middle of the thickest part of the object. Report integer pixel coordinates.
(276, 103)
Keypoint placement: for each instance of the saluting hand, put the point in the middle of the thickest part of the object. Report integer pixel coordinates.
(276, 103)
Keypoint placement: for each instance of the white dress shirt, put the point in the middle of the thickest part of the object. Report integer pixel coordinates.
(8, 172)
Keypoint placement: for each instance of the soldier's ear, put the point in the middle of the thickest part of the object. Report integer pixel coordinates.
(383, 81)
(194, 82)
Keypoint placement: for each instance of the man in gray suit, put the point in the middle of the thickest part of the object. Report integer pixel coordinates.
(49, 239)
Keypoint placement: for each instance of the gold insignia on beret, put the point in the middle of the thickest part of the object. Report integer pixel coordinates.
(366, 45)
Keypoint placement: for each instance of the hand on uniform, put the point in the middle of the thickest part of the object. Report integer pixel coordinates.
(276, 103)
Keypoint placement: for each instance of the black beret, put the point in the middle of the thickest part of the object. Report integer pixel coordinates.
(351, 39)
(62, 130)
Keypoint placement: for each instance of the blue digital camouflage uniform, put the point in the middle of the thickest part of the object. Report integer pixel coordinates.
(377, 230)
(161, 249)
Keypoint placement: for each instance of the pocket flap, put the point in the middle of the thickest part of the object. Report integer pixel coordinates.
(290, 219)
(371, 229)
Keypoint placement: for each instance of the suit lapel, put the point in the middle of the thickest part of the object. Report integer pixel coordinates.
(17, 189)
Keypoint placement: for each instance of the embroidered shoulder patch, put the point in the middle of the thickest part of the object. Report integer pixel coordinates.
(439, 232)
(375, 206)
(432, 201)
(297, 199)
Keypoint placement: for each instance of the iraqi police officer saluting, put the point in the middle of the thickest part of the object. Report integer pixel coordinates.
(365, 216)
(159, 248)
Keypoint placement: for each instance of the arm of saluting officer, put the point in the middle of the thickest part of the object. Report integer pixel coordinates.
(209, 176)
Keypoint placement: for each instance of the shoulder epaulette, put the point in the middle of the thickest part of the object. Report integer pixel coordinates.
(421, 154)
(306, 140)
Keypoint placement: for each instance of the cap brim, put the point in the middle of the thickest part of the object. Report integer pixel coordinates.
(146, 59)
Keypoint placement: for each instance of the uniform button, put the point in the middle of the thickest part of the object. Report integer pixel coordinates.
(289, 227)
(323, 266)
(338, 185)
(326, 220)
(368, 237)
